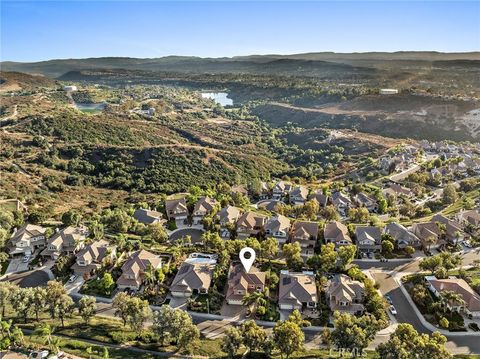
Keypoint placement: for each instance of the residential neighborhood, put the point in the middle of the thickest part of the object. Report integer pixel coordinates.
(239, 179)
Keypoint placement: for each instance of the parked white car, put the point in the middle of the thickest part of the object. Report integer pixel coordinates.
(393, 310)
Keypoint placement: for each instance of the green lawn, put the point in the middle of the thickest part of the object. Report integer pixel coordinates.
(473, 273)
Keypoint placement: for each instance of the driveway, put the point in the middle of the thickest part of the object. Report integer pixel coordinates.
(16, 265)
(180, 303)
(37, 278)
(75, 286)
(195, 233)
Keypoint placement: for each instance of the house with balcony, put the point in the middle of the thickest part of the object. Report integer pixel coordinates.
(26, 240)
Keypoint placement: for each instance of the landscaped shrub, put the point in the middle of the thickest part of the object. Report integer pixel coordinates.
(122, 337)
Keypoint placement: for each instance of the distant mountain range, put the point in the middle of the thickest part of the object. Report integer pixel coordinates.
(308, 64)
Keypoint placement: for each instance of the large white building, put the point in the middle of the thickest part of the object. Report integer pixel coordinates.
(388, 91)
(70, 88)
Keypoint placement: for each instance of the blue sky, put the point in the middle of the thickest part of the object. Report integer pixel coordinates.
(41, 30)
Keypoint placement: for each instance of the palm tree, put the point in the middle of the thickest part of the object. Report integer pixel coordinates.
(457, 237)
(431, 239)
(46, 331)
(256, 299)
(452, 298)
(17, 336)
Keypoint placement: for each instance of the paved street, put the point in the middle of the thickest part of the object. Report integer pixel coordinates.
(34, 278)
(383, 274)
(194, 233)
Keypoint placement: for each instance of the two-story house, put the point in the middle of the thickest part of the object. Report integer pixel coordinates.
(278, 227)
(453, 230)
(471, 299)
(66, 241)
(147, 216)
(204, 206)
(429, 234)
(297, 291)
(227, 218)
(280, 189)
(134, 268)
(240, 283)
(345, 294)
(250, 224)
(26, 240)
(364, 200)
(306, 234)
(177, 210)
(342, 203)
(298, 195)
(194, 277)
(337, 233)
(91, 257)
(402, 236)
(369, 239)
(469, 218)
(320, 197)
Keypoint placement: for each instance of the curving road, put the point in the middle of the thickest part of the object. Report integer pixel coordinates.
(385, 272)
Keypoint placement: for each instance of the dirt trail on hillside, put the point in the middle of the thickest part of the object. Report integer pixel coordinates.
(328, 109)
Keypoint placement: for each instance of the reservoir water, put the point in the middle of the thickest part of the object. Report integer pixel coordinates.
(90, 107)
(219, 97)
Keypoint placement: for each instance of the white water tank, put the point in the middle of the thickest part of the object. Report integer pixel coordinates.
(388, 91)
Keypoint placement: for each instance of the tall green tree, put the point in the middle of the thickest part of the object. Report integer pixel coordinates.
(288, 337)
(55, 291)
(253, 336)
(346, 254)
(232, 341)
(87, 307)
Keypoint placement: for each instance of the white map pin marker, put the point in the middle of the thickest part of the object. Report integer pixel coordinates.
(247, 262)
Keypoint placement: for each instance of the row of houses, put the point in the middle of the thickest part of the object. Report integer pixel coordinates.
(30, 239)
(297, 290)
